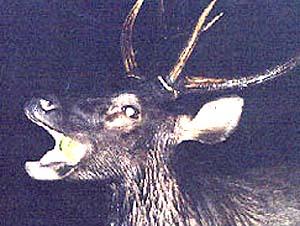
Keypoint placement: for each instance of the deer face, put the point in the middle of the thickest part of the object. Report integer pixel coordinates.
(106, 134)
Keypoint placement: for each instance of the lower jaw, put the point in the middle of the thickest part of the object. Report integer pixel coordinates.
(39, 172)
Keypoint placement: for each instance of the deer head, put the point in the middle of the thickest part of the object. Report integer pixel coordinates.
(127, 138)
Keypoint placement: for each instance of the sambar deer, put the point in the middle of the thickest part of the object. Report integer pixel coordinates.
(128, 139)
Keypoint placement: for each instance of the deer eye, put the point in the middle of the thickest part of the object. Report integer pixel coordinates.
(131, 111)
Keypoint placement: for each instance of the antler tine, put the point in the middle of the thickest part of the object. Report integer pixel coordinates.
(198, 84)
(128, 54)
(186, 52)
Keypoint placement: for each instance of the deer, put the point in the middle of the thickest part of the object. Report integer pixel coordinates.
(128, 139)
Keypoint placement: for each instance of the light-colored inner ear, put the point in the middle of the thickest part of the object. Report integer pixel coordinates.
(214, 122)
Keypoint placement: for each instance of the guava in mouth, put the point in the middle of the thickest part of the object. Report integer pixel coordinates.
(58, 162)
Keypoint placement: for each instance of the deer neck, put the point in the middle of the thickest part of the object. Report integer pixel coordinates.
(153, 198)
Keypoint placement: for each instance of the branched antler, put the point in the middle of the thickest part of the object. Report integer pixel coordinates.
(128, 54)
(169, 82)
(201, 83)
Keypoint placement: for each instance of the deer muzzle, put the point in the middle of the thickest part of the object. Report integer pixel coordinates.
(67, 152)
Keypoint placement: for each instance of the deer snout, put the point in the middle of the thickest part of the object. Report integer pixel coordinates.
(43, 109)
(45, 104)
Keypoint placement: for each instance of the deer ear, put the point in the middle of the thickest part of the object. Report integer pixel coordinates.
(213, 123)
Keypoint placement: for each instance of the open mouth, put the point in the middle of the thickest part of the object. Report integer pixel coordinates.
(58, 162)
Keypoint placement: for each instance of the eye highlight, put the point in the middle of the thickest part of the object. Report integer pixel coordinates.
(131, 111)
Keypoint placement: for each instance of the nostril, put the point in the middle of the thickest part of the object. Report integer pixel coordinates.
(47, 105)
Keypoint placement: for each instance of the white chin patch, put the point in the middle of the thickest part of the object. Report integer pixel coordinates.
(39, 172)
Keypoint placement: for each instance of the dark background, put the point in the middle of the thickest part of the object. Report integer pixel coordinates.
(67, 47)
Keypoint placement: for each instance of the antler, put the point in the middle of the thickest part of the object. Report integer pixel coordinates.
(186, 52)
(128, 54)
(200, 83)
(170, 80)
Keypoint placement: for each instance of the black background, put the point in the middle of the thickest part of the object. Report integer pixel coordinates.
(73, 47)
